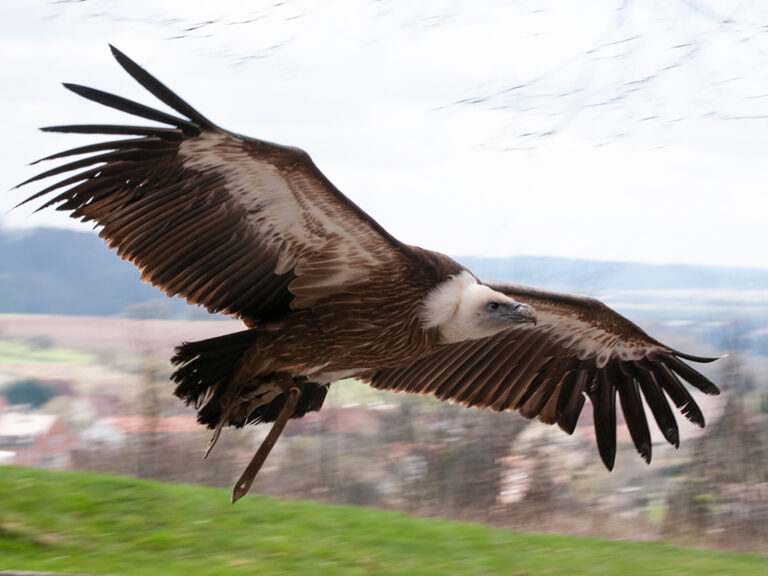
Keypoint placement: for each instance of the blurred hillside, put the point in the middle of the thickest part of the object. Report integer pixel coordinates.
(54, 271)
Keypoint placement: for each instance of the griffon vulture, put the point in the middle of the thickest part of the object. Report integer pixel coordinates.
(254, 230)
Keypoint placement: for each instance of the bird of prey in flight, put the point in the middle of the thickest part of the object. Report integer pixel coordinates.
(254, 230)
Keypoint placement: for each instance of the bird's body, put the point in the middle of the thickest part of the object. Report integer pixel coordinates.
(254, 230)
(339, 320)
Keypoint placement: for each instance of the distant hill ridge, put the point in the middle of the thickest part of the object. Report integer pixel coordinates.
(55, 271)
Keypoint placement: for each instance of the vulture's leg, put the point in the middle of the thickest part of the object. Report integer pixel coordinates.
(245, 481)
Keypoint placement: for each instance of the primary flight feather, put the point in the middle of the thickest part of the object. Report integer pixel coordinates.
(254, 230)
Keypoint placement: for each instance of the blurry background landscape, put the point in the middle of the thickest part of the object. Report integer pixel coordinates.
(613, 149)
(84, 350)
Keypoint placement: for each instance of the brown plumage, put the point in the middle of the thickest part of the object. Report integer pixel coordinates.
(254, 230)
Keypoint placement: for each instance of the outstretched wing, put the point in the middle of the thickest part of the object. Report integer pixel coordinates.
(235, 224)
(579, 348)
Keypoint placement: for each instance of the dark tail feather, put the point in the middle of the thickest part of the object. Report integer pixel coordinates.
(205, 377)
(208, 366)
(311, 400)
(242, 413)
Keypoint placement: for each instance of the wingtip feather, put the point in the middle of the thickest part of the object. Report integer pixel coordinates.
(76, 88)
(699, 359)
(159, 90)
(120, 56)
(673, 436)
(609, 458)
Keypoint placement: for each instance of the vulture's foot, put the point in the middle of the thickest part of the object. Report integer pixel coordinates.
(246, 479)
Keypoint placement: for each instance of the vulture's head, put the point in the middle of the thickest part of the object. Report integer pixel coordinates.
(463, 309)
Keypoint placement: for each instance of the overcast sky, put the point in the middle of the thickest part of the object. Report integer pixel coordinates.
(632, 131)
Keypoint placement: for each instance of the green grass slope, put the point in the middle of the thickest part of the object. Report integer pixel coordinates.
(96, 524)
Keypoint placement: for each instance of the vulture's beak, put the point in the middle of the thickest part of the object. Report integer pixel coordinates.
(523, 313)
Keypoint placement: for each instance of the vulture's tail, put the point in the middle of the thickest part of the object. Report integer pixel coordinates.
(205, 378)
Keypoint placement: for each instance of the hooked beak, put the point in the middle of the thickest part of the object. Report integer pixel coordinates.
(523, 313)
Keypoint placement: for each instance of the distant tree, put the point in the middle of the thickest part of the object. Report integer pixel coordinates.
(29, 392)
(722, 490)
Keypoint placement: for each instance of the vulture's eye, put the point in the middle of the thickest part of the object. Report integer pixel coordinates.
(492, 306)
